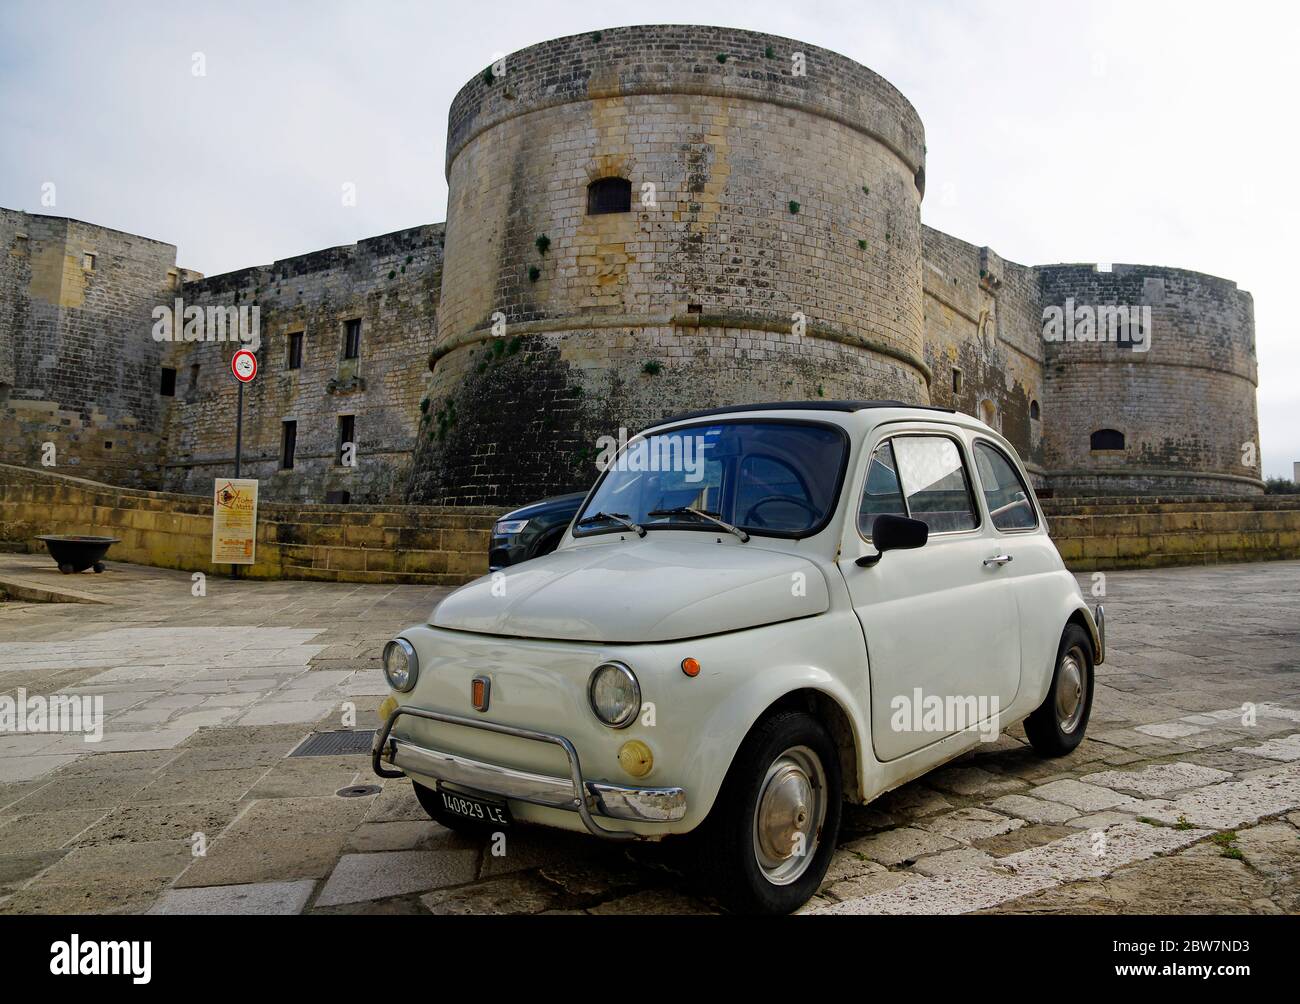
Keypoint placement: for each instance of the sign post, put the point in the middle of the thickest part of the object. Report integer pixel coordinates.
(234, 501)
(244, 366)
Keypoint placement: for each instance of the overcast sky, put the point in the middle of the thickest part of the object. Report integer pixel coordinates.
(1144, 132)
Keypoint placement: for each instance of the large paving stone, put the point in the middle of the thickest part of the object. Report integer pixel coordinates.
(508, 895)
(1158, 780)
(136, 823)
(42, 831)
(906, 843)
(965, 825)
(189, 786)
(360, 877)
(1084, 797)
(263, 898)
(972, 781)
(1035, 810)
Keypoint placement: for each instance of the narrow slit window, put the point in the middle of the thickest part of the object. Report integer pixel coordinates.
(352, 339)
(167, 388)
(347, 438)
(288, 445)
(295, 350)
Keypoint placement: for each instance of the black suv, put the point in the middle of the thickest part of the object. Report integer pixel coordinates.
(532, 531)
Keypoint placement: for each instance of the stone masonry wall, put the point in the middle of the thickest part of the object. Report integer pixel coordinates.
(391, 283)
(982, 340)
(759, 193)
(78, 368)
(375, 544)
(1186, 407)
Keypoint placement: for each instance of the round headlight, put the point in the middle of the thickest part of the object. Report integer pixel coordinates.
(614, 694)
(401, 664)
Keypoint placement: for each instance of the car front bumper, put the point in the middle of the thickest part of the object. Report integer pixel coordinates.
(575, 794)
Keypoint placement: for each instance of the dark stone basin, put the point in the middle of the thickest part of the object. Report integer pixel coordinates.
(75, 553)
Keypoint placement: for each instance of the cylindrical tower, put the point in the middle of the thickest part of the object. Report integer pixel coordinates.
(1150, 382)
(648, 220)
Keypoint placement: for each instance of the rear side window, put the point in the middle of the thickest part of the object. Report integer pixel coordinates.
(883, 495)
(1005, 493)
(935, 483)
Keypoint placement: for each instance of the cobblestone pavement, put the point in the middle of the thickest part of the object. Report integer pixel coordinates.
(1175, 803)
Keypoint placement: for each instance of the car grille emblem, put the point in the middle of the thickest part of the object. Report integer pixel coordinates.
(479, 691)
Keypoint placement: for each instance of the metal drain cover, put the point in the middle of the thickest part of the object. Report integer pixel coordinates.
(358, 791)
(336, 743)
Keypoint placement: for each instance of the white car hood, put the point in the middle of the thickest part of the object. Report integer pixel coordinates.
(640, 590)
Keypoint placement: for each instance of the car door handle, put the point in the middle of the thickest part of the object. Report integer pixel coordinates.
(997, 559)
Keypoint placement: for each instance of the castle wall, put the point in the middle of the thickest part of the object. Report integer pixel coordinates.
(767, 194)
(391, 283)
(982, 340)
(78, 368)
(1186, 407)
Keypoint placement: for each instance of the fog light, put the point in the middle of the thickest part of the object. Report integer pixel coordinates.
(635, 758)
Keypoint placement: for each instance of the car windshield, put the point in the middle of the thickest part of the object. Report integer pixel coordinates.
(769, 478)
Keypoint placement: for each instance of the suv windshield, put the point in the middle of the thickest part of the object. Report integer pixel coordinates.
(771, 478)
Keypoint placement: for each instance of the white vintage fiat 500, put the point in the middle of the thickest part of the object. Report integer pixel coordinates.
(757, 613)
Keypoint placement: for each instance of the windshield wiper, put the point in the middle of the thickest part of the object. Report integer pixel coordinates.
(612, 517)
(683, 509)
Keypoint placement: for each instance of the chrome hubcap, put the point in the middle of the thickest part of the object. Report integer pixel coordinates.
(1071, 690)
(788, 819)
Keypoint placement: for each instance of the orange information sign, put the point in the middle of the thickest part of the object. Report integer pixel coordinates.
(234, 521)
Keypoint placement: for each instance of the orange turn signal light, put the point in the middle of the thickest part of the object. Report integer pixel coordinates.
(691, 667)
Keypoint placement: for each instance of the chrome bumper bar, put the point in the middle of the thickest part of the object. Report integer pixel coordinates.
(586, 798)
(1100, 618)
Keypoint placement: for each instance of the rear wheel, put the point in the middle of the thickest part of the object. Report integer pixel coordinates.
(431, 803)
(1057, 727)
(771, 834)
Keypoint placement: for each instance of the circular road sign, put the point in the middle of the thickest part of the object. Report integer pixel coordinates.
(244, 366)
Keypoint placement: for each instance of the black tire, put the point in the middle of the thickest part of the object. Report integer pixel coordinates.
(1050, 731)
(66, 569)
(728, 841)
(432, 804)
(98, 567)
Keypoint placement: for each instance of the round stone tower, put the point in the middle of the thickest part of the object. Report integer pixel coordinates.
(648, 220)
(1149, 384)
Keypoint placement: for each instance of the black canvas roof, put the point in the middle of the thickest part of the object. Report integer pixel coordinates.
(847, 406)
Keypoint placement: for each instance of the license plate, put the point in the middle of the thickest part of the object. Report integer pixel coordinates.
(485, 810)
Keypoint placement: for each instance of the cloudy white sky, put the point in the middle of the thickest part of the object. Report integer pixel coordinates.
(1138, 131)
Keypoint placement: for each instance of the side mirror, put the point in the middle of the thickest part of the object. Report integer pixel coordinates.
(894, 533)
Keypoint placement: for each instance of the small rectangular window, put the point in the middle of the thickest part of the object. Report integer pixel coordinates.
(288, 445)
(352, 339)
(295, 350)
(956, 380)
(347, 438)
(935, 483)
(338, 497)
(168, 386)
(194, 376)
(88, 261)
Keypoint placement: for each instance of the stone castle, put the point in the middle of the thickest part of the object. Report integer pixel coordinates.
(641, 221)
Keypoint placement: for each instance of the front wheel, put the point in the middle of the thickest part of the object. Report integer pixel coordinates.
(1057, 727)
(771, 834)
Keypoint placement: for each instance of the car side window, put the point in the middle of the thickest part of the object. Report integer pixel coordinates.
(935, 483)
(1005, 493)
(882, 495)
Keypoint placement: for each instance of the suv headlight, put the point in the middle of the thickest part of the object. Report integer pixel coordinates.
(509, 527)
(401, 664)
(614, 694)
